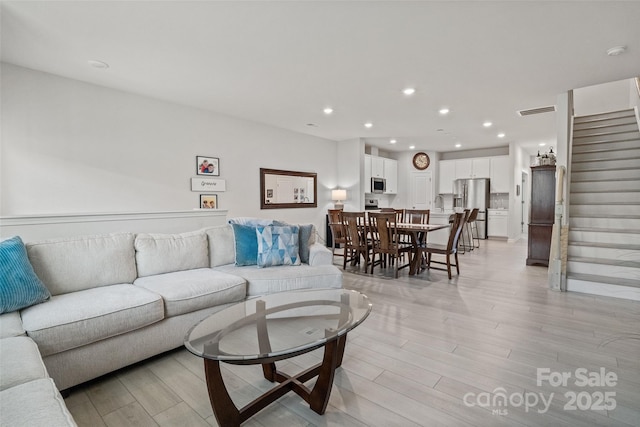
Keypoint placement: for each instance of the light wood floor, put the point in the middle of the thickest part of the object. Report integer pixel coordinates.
(428, 343)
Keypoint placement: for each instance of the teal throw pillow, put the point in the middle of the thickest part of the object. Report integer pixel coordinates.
(304, 241)
(246, 244)
(277, 245)
(19, 285)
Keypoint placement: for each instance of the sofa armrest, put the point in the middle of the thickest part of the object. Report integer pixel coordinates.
(320, 255)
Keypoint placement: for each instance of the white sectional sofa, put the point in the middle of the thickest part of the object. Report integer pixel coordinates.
(120, 298)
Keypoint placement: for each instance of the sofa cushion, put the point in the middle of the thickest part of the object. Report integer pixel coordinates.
(79, 318)
(165, 253)
(246, 244)
(277, 245)
(21, 362)
(19, 285)
(192, 290)
(11, 325)
(36, 403)
(262, 281)
(78, 263)
(221, 245)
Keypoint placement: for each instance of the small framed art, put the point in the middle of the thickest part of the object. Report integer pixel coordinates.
(208, 201)
(206, 165)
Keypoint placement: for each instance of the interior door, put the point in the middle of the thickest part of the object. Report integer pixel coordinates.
(420, 190)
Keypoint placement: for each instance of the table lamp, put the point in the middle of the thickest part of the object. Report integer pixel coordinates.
(339, 196)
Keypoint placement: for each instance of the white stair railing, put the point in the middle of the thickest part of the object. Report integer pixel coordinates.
(556, 262)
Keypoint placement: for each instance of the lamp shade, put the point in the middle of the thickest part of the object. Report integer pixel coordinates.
(339, 195)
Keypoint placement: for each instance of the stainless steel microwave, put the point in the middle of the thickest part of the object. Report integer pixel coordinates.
(378, 185)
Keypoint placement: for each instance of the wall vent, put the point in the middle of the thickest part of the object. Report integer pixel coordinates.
(538, 110)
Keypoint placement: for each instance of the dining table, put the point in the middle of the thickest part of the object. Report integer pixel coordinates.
(418, 234)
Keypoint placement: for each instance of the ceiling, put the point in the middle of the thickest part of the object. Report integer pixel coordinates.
(281, 63)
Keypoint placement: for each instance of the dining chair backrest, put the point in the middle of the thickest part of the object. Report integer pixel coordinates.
(335, 224)
(355, 228)
(454, 233)
(383, 230)
(417, 216)
(473, 215)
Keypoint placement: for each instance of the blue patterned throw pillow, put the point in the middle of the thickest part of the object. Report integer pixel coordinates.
(19, 285)
(306, 238)
(277, 246)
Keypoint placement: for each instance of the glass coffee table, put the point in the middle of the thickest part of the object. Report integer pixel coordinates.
(274, 327)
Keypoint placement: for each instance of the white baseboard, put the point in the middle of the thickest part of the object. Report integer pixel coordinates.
(603, 289)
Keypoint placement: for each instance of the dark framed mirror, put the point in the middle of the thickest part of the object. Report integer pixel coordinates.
(281, 189)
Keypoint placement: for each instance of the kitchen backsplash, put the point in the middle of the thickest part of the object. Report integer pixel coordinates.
(499, 201)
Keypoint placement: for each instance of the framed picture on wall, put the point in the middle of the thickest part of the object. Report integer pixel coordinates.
(208, 201)
(206, 165)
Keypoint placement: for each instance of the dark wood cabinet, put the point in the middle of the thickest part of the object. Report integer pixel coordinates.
(541, 216)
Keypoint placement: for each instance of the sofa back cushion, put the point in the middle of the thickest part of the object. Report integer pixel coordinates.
(221, 245)
(166, 253)
(83, 262)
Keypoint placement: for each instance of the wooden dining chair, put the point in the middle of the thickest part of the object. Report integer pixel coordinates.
(357, 243)
(417, 216)
(387, 242)
(337, 231)
(448, 250)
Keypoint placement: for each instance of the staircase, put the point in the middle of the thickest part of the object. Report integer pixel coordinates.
(604, 214)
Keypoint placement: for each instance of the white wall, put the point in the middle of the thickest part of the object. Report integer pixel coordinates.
(72, 147)
(350, 161)
(613, 96)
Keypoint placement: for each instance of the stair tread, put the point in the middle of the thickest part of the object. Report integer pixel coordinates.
(606, 169)
(604, 230)
(605, 150)
(603, 279)
(616, 190)
(607, 180)
(605, 159)
(615, 114)
(608, 203)
(591, 135)
(605, 261)
(605, 245)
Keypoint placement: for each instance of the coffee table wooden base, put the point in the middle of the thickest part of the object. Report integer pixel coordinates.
(228, 414)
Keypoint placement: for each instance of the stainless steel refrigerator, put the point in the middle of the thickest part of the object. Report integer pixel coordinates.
(471, 194)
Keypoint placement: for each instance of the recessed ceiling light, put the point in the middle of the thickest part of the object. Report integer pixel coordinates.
(98, 64)
(328, 110)
(393, 141)
(501, 135)
(412, 147)
(368, 125)
(542, 144)
(617, 50)
(408, 91)
(487, 124)
(444, 111)
(458, 145)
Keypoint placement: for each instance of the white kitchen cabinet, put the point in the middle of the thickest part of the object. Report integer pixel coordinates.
(498, 223)
(479, 167)
(446, 175)
(380, 167)
(500, 174)
(377, 167)
(390, 175)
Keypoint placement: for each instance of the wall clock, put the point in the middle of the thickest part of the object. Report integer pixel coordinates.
(421, 161)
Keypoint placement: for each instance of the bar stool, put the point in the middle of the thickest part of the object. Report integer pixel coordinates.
(473, 225)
